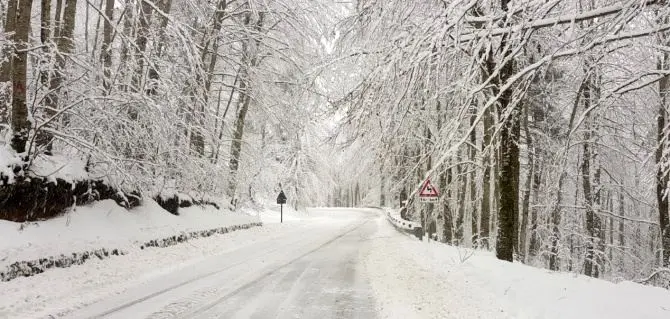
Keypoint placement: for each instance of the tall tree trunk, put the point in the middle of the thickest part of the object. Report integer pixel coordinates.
(210, 37)
(45, 38)
(622, 228)
(6, 69)
(106, 49)
(382, 186)
(662, 160)
(65, 46)
(525, 203)
(487, 151)
(462, 187)
(144, 19)
(591, 200)
(534, 241)
(43, 138)
(125, 56)
(223, 117)
(610, 207)
(20, 121)
(248, 61)
(166, 7)
(508, 210)
(447, 219)
(472, 181)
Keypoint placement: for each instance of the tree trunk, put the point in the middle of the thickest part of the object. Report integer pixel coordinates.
(245, 99)
(591, 201)
(65, 46)
(622, 228)
(382, 186)
(473, 187)
(43, 138)
(661, 176)
(447, 219)
(20, 121)
(508, 210)
(106, 49)
(486, 178)
(236, 143)
(610, 228)
(129, 31)
(525, 211)
(534, 242)
(6, 69)
(166, 7)
(461, 192)
(145, 13)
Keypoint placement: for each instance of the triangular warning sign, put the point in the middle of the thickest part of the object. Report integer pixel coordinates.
(428, 190)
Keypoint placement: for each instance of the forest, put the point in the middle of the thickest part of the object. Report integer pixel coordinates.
(543, 123)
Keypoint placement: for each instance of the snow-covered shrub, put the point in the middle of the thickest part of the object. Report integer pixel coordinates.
(183, 237)
(38, 266)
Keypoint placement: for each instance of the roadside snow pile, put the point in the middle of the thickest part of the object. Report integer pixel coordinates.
(414, 279)
(90, 231)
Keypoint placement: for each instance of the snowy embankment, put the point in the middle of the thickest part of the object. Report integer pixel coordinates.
(414, 279)
(104, 229)
(60, 291)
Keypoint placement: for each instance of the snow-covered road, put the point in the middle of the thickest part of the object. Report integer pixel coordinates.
(313, 271)
(327, 263)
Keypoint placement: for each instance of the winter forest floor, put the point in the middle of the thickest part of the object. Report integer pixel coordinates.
(325, 263)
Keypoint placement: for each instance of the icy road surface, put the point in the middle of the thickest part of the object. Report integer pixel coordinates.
(314, 271)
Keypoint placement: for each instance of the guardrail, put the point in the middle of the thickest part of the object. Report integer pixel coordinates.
(403, 225)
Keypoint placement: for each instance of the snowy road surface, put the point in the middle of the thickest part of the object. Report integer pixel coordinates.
(311, 272)
(328, 263)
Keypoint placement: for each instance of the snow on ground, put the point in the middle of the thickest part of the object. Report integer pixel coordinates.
(414, 279)
(106, 225)
(60, 290)
(273, 214)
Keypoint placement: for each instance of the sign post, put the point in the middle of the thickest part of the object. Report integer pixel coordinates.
(281, 200)
(428, 192)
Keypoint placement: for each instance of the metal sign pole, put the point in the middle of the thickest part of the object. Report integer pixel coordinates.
(281, 214)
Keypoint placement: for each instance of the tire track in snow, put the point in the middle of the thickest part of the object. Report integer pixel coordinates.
(184, 283)
(212, 304)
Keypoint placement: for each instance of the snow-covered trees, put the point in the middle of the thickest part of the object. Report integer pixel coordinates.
(537, 112)
(165, 96)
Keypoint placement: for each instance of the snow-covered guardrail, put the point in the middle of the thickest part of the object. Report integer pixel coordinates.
(404, 225)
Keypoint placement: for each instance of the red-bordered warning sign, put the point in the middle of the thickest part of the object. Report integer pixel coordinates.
(428, 192)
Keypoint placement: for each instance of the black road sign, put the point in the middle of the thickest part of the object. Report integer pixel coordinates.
(281, 199)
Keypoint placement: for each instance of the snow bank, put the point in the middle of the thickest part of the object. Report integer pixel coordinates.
(57, 292)
(105, 224)
(414, 279)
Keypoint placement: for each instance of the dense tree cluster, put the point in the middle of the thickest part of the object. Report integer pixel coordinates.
(543, 123)
(166, 96)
